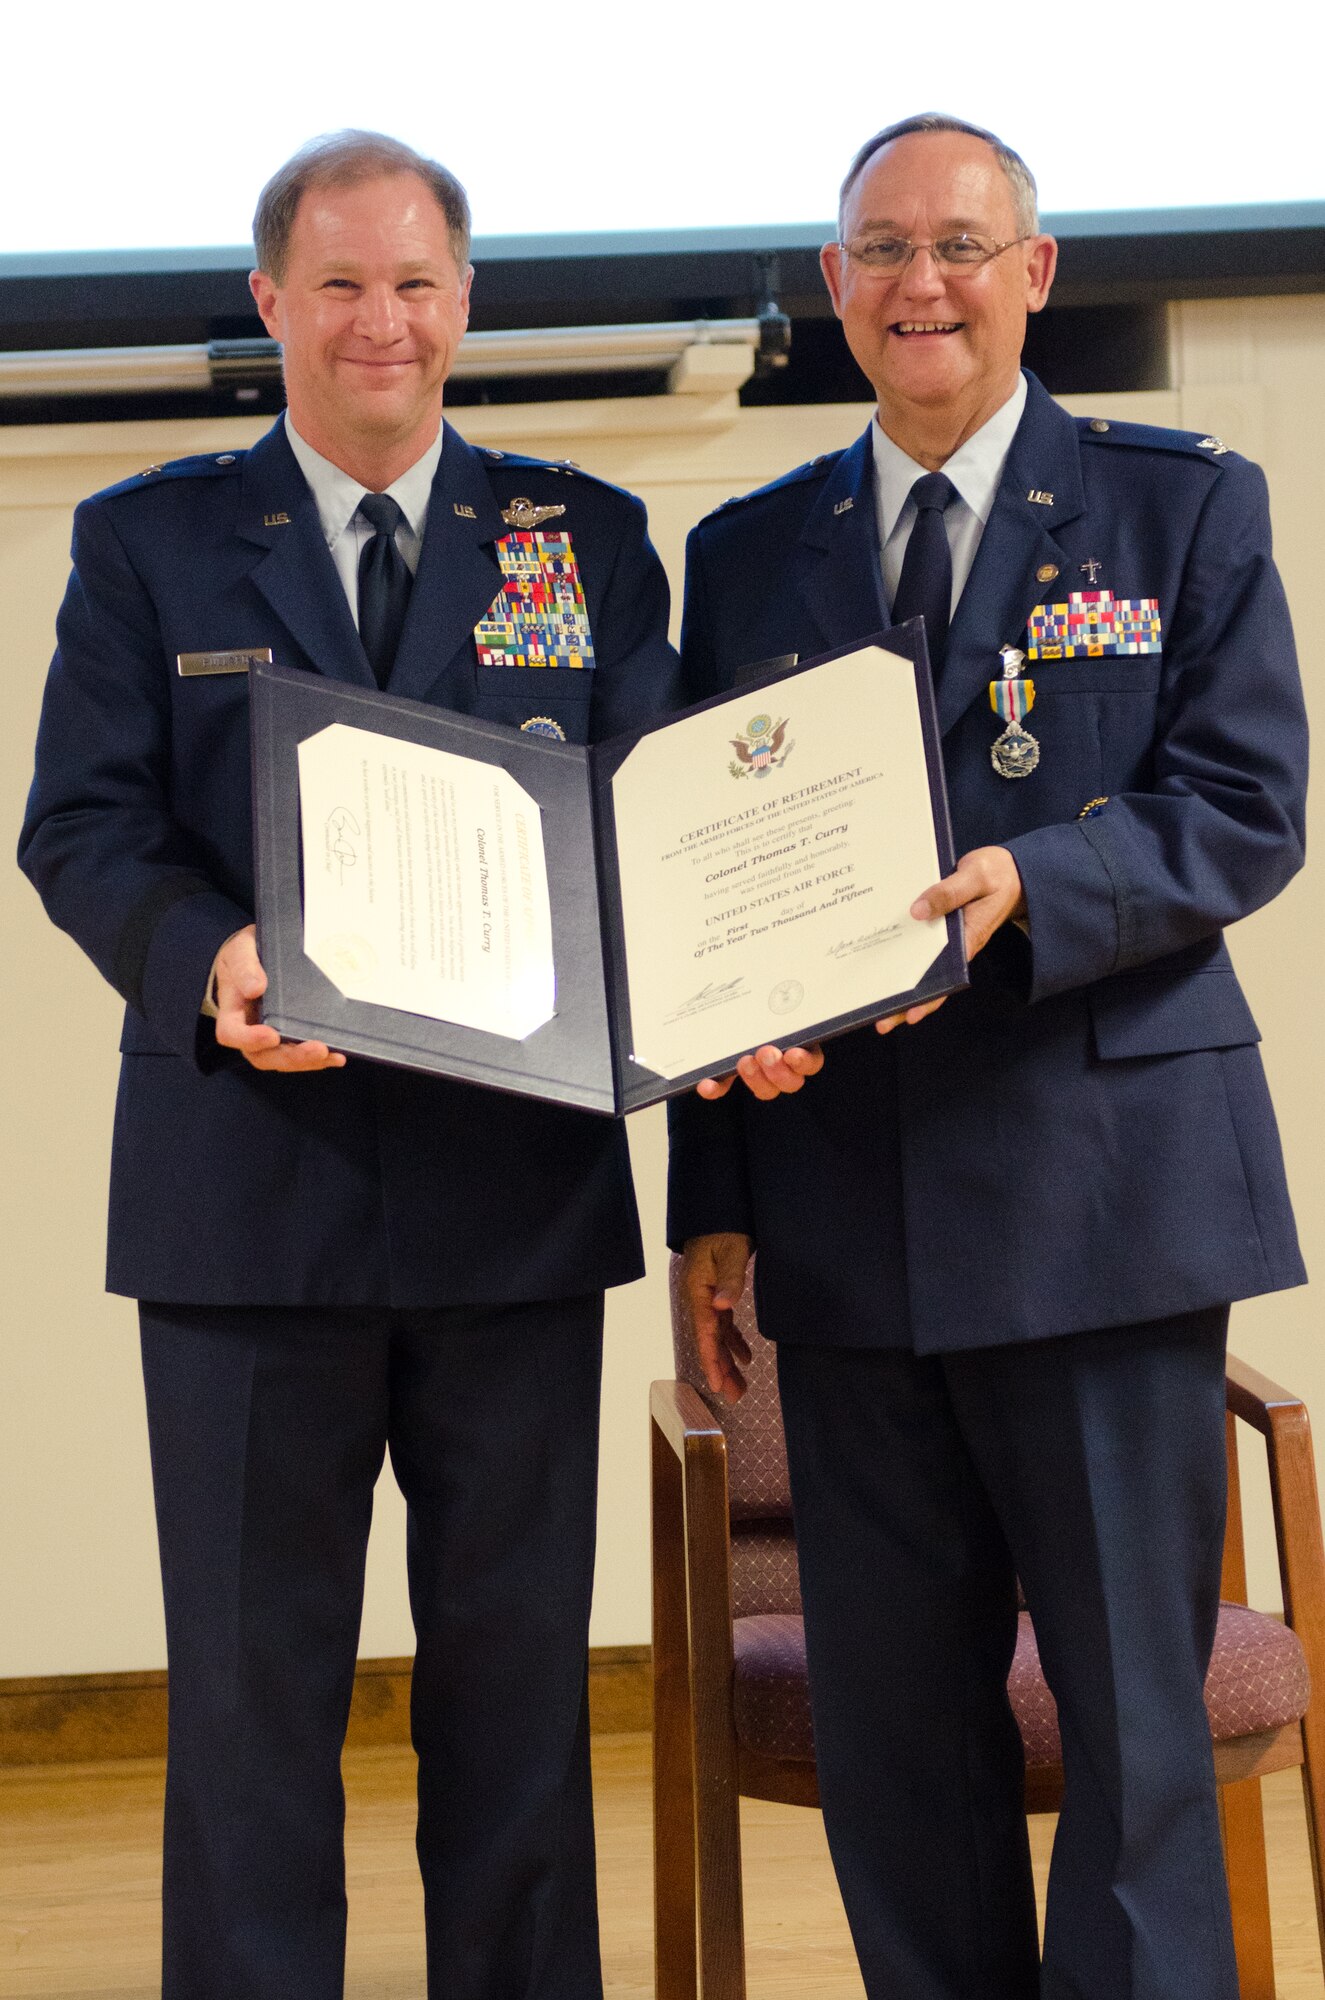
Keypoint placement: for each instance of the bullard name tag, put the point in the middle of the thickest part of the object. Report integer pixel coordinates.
(237, 662)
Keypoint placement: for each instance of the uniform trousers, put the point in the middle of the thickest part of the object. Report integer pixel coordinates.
(268, 1429)
(1092, 1468)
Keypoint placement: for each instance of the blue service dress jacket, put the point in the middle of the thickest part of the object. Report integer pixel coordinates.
(1085, 1138)
(368, 1185)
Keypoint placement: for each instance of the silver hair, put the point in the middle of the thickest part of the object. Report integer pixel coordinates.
(1020, 178)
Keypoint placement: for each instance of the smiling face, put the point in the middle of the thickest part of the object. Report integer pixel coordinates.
(370, 311)
(941, 347)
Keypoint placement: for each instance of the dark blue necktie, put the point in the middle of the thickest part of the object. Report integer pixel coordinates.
(924, 589)
(384, 585)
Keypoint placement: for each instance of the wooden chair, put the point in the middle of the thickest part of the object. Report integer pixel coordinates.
(731, 1707)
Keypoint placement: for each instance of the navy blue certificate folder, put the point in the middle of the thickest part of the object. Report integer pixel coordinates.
(583, 1054)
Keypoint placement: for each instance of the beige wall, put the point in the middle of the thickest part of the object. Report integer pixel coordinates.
(78, 1590)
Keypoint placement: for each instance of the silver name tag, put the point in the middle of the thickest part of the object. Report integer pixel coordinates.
(223, 663)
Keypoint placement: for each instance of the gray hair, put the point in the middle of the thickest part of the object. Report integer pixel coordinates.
(345, 159)
(1020, 178)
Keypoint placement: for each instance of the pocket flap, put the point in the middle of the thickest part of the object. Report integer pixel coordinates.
(547, 683)
(1158, 1014)
(137, 1039)
(1110, 674)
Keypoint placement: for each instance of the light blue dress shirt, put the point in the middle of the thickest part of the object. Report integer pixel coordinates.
(338, 497)
(975, 469)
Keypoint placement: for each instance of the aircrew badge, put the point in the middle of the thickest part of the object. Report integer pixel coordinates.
(523, 514)
(540, 619)
(1093, 624)
(762, 748)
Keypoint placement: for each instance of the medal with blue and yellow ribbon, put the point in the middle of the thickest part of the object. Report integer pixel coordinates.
(1015, 753)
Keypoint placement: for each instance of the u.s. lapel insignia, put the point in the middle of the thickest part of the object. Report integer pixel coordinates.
(465, 513)
(276, 520)
(523, 514)
(844, 506)
(1038, 498)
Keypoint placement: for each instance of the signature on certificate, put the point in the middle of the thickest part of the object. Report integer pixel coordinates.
(867, 941)
(715, 994)
(343, 835)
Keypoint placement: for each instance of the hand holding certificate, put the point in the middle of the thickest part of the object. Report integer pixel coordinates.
(603, 927)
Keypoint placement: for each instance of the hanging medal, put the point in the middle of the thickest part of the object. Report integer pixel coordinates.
(1016, 752)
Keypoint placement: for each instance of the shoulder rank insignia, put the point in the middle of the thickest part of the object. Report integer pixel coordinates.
(1214, 445)
(524, 514)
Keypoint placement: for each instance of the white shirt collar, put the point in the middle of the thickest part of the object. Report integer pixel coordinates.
(975, 468)
(338, 496)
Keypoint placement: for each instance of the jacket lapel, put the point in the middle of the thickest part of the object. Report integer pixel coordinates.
(836, 560)
(294, 572)
(457, 579)
(1020, 538)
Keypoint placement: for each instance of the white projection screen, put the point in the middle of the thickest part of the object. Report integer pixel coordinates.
(149, 127)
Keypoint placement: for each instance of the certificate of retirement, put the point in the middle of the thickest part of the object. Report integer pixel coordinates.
(769, 849)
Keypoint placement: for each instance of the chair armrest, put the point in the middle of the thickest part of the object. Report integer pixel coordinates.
(689, 1453)
(685, 1420)
(1259, 1401)
(1283, 1421)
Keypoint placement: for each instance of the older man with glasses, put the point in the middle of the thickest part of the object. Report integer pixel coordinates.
(997, 1249)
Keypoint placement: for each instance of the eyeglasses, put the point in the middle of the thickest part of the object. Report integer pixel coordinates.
(890, 255)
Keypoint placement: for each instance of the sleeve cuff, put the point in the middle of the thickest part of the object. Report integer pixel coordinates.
(207, 1007)
(178, 973)
(708, 1191)
(1072, 907)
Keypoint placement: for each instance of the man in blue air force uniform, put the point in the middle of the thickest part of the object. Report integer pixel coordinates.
(997, 1248)
(335, 1259)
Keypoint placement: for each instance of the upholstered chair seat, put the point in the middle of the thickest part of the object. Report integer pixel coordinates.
(731, 1691)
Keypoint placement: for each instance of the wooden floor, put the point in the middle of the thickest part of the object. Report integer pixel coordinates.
(79, 1878)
